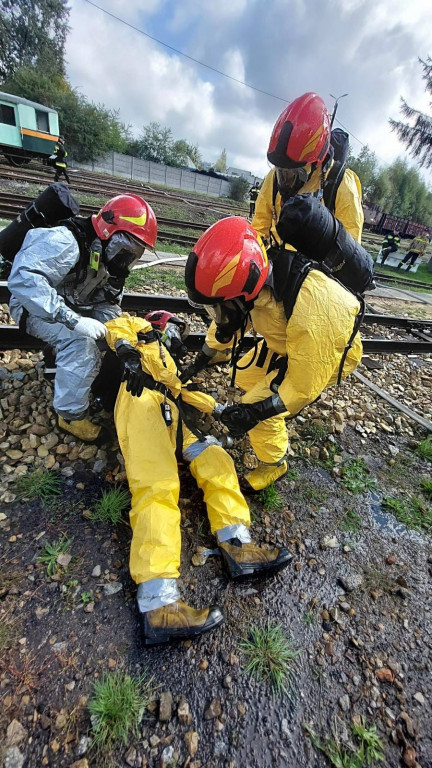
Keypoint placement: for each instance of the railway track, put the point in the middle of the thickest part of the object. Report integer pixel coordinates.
(108, 186)
(420, 331)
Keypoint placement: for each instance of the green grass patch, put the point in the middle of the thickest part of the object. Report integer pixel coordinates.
(270, 656)
(351, 522)
(116, 708)
(313, 494)
(414, 512)
(424, 449)
(426, 486)
(160, 275)
(110, 507)
(271, 499)
(87, 597)
(8, 634)
(51, 551)
(291, 474)
(367, 751)
(45, 486)
(309, 618)
(356, 477)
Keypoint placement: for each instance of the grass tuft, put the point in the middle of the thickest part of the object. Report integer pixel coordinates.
(271, 499)
(351, 522)
(426, 486)
(424, 449)
(117, 707)
(269, 656)
(51, 551)
(45, 486)
(110, 507)
(367, 751)
(414, 513)
(356, 477)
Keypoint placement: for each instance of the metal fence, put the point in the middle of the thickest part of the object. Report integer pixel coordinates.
(144, 170)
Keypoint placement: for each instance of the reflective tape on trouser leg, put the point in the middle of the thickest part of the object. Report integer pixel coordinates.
(155, 593)
(215, 474)
(237, 531)
(148, 447)
(77, 362)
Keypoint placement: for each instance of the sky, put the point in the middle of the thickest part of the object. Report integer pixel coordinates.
(366, 48)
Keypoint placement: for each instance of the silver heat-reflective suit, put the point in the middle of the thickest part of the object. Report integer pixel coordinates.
(55, 298)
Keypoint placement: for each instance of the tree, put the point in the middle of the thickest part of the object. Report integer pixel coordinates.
(366, 167)
(155, 143)
(32, 33)
(417, 136)
(239, 188)
(221, 164)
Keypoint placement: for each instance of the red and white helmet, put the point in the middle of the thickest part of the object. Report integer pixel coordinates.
(127, 213)
(160, 318)
(301, 134)
(228, 261)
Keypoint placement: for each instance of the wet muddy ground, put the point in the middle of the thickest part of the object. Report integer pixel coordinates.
(353, 602)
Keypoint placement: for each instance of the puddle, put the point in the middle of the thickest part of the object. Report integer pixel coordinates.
(385, 520)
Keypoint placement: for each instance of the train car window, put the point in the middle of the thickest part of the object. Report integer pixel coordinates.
(7, 115)
(42, 121)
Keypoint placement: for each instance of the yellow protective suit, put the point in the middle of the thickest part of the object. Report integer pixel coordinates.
(148, 447)
(314, 340)
(348, 207)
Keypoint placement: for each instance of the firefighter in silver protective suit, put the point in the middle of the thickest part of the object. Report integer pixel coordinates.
(66, 282)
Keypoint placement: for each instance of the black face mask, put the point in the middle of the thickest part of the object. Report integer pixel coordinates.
(290, 181)
(121, 252)
(229, 317)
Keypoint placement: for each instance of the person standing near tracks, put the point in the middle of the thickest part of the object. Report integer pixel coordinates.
(304, 150)
(59, 160)
(155, 417)
(253, 194)
(66, 282)
(417, 249)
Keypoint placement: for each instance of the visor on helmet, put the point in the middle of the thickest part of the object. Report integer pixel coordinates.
(291, 180)
(121, 253)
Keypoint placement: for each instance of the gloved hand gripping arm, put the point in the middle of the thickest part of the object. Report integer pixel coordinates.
(243, 417)
(202, 360)
(131, 368)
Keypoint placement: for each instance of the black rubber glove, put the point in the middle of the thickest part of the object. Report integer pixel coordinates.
(201, 361)
(131, 368)
(243, 417)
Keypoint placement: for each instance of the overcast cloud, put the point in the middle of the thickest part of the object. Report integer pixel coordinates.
(285, 47)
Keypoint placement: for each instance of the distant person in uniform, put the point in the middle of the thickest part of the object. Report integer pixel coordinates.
(417, 249)
(60, 156)
(390, 245)
(253, 194)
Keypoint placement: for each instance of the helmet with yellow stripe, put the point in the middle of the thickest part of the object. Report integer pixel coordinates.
(228, 261)
(127, 213)
(301, 134)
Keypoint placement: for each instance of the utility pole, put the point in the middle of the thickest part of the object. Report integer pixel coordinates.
(336, 98)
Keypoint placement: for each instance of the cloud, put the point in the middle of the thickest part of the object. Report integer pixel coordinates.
(367, 49)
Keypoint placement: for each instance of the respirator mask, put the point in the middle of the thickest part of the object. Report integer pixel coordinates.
(291, 180)
(121, 253)
(229, 317)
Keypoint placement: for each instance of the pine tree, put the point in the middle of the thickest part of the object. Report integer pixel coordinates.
(417, 137)
(221, 164)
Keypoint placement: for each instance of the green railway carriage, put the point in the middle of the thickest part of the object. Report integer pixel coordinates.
(27, 129)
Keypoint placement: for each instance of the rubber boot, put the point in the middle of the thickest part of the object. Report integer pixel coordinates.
(84, 430)
(262, 476)
(178, 621)
(242, 561)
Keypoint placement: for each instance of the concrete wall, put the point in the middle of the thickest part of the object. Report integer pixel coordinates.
(143, 170)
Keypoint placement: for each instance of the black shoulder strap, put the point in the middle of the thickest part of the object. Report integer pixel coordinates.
(290, 269)
(77, 226)
(340, 142)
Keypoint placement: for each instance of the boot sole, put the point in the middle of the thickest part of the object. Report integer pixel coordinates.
(238, 572)
(181, 634)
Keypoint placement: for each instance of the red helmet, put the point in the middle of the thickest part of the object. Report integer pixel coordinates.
(301, 134)
(228, 261)
(159, 319)
(127, 213)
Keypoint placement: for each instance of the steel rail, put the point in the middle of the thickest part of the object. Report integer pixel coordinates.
(12, 338)
(141, 302)
(14, 204)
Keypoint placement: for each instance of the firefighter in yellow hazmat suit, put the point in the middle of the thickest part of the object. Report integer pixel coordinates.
(151, 416)
(301, 152)
(229, 273)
